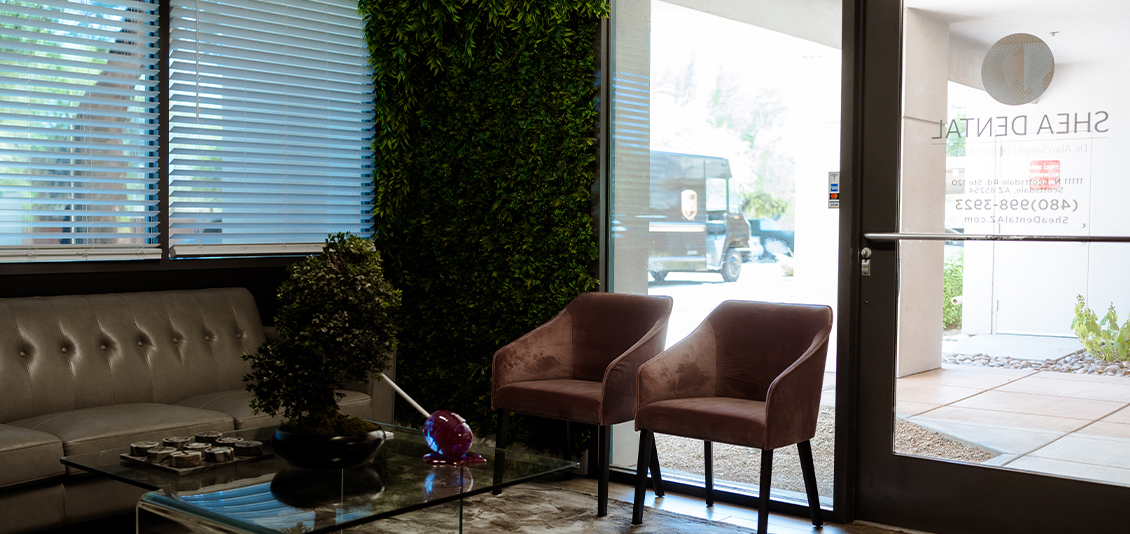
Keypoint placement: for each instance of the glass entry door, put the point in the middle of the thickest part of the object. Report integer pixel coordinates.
(991, 247)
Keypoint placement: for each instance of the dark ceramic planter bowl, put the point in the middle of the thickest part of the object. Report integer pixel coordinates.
(327, 452)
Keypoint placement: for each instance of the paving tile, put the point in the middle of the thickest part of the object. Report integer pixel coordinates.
(1095, 450)
(1111, 430)
(987, 370)
(1121, 416)
(1072, 408)
(1099, 379)
(1005, 440)
(969, 378)
(1043, 384)
(1064, 468)
(926, 392)
(1001, 460)
(1007, 419)
(908, 408)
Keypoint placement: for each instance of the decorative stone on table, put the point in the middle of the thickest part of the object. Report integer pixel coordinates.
(248, 448)
(198, 447)
(186, 459)
(141, 448)
(176, 442)
(208, 437)
(159, 454)
(228, 442)
(219, 454)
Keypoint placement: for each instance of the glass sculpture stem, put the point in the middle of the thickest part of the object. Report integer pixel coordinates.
(397, 389)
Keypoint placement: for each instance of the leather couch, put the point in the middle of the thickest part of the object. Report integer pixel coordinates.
(85, 373)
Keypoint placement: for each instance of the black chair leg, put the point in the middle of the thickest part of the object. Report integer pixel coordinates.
(642, 463)
(763, 492)
(804, 449)
(500, 443)
(656, 474)
(708, 453)
(604, 449)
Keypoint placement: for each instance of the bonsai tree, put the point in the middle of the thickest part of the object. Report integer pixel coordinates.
(336, 327)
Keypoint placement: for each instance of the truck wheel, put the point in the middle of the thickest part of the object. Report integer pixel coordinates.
(732, 267)
(658, 275)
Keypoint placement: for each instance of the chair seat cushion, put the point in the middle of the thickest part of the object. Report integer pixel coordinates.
(237, 404)
(118, 425)
(572, 400)
(721, 419)
(28, 455)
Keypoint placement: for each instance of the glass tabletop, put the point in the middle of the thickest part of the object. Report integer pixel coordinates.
(268, 495)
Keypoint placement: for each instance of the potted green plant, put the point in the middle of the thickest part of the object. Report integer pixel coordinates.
(335, 327)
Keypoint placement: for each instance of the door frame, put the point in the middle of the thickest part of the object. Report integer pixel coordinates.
(926, 494)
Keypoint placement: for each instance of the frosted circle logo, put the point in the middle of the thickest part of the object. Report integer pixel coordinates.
(1018, 69)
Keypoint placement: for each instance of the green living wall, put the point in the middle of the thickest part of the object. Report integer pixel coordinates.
(485, 159)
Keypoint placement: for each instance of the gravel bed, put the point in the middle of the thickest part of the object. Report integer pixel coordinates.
(1077, 362)
(742, 464)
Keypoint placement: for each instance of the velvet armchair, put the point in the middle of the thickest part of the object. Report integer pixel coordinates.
(749, 375)
(581, 366)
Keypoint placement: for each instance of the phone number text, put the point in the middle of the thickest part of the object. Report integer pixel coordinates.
(1017, 204)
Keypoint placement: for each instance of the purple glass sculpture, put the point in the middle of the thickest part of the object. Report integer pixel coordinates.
(450, 437)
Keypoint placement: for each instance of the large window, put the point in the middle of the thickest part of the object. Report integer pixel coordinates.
(78, 171)
(268, 134)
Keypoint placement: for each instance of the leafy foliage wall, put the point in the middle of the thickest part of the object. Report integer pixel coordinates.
(485, 156)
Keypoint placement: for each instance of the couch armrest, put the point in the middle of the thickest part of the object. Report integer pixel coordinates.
(382, 396)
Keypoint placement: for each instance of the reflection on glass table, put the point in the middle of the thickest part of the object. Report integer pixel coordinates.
(271, 496)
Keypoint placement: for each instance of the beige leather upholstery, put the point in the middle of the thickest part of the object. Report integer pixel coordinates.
(118, 425)
(28, 455)
(72, 352)
(84, 373)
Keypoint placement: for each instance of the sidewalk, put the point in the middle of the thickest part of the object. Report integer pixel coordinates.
(1056, 423)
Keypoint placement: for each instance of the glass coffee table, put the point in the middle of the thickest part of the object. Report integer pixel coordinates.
(269, 496)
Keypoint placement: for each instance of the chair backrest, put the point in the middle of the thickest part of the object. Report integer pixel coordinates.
(756, 341)
(605, 325)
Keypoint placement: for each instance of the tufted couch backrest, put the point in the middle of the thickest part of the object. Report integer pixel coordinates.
(82, 351)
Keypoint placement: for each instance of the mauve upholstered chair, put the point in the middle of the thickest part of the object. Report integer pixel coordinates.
(581, 367)
(749, 375)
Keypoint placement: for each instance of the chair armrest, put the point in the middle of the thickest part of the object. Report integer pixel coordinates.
(618, 391)
(686, 370)
(792, 404)
(544, 353)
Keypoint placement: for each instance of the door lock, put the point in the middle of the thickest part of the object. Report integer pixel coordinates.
(865, 262)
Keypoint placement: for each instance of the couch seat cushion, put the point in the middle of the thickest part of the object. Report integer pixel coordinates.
(572, 400)
(118, 425)
(237, 404)
(28, 455)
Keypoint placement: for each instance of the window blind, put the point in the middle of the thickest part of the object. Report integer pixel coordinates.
(271, 125)
(77, 130)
